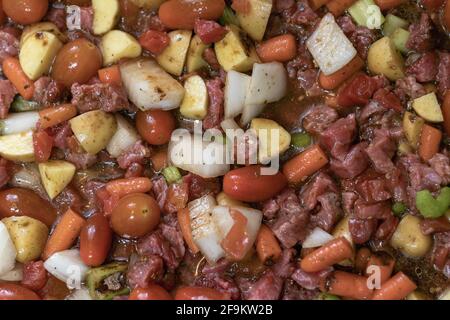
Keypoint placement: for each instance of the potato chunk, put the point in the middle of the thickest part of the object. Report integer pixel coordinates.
(409, 239)
(412, 127)
(40, 27)
(273, 138)
(106, 15)
(17, 147)
(117, 45)
(56, 175)
(384, 59)
(173, 57)
(38, 52)
(195, 59)
(195, 101)
(254, 22)
(29, 236)
(233, 53)
(93, 130)
(428, 107)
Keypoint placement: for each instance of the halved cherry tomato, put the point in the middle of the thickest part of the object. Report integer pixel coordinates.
(43, 145)
(11, 291)
(154, 41)
(357, 92)
(181, 14)
(95, 240)
(200, 293)
(25, 11)
(24, 202)
(135, 215)
(153, 292)
(155, 126)
(248, 184)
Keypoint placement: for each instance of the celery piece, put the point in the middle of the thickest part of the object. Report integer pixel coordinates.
(21, 105)
(399, 37)
(431, 207)
(392, 23)
(300, 140)
(366, 13)
(172, 174)
(95, 281)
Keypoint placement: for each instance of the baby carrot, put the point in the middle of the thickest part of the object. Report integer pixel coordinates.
(185, 225)
(304, 164)
(13, 71)
(332, 252)
(66, 232)
(123, 187)
(281, 48)
(385, 265)
(333, 81)
(337, 7)
(349, 285)
(267, 245)
(396, 288)
(388, 4)
(430, 139)
(362, 258)
(52, 116)
(110, 75)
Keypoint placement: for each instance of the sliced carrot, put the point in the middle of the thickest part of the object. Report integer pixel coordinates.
(13, 71)
(388, 4)
(337, 7)
(446, 111)
(52, 116)
(184, 222)
(281, 48)
(362, 258)
(123, 187)
(267, 245)
(332, 252)
(316, 4)
(110, 75)
(396, 288)
(430, 139)
(333, 81)
(159, 160)
(304, 164)
(385, 265)
(349, 285)
(66, 232)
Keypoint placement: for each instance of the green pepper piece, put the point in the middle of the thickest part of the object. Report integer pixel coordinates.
(430, 207)
(228, 17)
(172, 174)
(328, 296)
(96, 276)
(21, 105)
(399, 208)
(300, 139)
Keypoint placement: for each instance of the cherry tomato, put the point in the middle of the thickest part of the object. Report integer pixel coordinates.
(135, 215)
(25, 11)
(77, 61)
(24, 202)
(153, 292)
(181, 14)
(154, 41)
(200, 293)
(43, 145)
(11, 291)
(447, 15)
(155, 126)
(95, 240)
(248, 184)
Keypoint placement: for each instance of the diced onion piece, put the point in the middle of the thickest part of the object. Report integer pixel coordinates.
(229, 124)
(317, 238)
(149, 86)
(206, 159)
(79, 294)
(19, 122)
(16, 274)
(235, 92)
(67, 266)
(29, 177)
(125, 137)
(329, 46)
(250, 112)
(268, 83)
(7, 251)
(204, 231)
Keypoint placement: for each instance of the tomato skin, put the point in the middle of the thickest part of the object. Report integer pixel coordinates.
(95, 240)
(153, 292)
(11, 291)
(357, 92)
(155, 126)
(135, 215)
(43, 145)
(24, 202)
(181, 14)
(154, 41)
(200, 293)
(77, 62)
(25, 11)
(247, 184)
